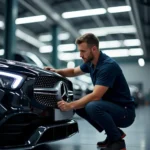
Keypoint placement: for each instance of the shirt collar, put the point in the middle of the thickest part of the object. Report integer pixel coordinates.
(99, 61)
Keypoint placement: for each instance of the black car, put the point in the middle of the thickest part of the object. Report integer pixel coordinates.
(29, 115)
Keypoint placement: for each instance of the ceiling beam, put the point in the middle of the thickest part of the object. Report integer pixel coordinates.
(49, 12)
(35, 12)
(135, 19)
(98, 22)
(111, 18)
(1, 41)
(29, 33)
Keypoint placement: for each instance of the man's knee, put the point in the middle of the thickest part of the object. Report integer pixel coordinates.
(92, 108)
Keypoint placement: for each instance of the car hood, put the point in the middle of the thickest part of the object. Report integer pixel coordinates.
(23, 68)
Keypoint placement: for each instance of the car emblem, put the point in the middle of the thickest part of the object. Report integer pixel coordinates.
(64, 91)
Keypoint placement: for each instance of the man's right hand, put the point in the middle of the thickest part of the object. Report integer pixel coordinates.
(50, 69)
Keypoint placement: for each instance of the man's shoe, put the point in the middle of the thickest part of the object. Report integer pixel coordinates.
(117, 145)
(105, 142)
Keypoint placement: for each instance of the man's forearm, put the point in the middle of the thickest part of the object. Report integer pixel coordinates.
(68, 72)
(83, 101)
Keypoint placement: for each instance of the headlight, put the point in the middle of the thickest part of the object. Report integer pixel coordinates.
(10, 80)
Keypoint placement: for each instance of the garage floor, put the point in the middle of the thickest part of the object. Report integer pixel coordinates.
(138, 135)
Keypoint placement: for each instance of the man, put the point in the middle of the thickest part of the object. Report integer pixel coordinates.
(110, 105)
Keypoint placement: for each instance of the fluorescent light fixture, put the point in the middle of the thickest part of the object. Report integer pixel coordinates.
(45, 38)
(69, 56)
(62, 47)
(1, 24)
(119, 9)
(29, 39)
(1, 52)
(17, 78)
(46, 49)
(124, 52)
(111, 53)
(117, 52)
(113, 44)
(104, 31)
(70, 64)
(136, 52)
(132, 42)
(102, 45)
(48, 37)
(31, 19)
(109, 44)
(83, 13)
(66, 47)
(141, 62)
(63, 36)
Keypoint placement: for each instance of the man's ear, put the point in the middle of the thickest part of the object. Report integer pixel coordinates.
(94, 48)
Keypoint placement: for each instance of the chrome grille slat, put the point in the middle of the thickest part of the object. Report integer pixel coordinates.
(44, 93)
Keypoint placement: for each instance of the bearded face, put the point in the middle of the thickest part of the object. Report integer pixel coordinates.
(85, 52)
(89, 57)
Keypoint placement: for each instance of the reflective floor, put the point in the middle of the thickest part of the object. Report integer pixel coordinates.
(138, 135)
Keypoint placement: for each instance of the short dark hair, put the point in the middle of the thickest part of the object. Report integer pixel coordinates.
(89, 38)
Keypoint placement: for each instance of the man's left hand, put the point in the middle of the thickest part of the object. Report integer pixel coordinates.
(64, 106)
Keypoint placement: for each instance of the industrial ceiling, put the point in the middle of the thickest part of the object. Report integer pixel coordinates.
(122, 26)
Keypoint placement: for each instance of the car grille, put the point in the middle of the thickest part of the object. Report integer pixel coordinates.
(49, 96)
(46, 100)
(49, 82)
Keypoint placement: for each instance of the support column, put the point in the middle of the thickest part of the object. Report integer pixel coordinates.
(55, 43)
(76, 61)
(11, 13)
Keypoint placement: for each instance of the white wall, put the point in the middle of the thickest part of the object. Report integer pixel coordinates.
(134, 73)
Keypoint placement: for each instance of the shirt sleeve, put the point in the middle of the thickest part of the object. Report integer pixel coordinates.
(84, 67)
(106, 76)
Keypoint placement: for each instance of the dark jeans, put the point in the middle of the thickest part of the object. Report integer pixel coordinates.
(104, 115)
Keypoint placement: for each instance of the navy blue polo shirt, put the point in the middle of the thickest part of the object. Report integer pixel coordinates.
(108, 73)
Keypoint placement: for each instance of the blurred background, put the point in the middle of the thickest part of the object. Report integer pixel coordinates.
(43, 33)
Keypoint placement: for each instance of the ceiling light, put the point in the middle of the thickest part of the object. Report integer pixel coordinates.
(62, 47)
(63, 36)
(45, 38)
(132, 42)
(22, 35)
(141, 62)
(66, 47)
(117, 52)
(31, 19)
(104, 31)
(1, 24)
(48, 37)
(119, 9)
(69, 56)
(82, 13)
(102, 45)
(111, 53)
(1, 52)
(46, 49)
(136, 52)
(109, 44)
